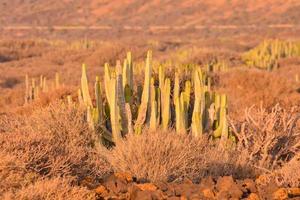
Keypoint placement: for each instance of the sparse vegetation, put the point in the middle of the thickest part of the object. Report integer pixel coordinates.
(212, 111)
(267, 54)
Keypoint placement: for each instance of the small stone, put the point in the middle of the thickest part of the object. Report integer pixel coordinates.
(208, 193)
(101, 190)
(147, 186)
(124, 176)
(281, 194)
(226, 184)
(253, 196)
(183, 198)
(294, 192)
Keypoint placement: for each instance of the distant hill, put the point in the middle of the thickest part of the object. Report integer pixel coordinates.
(149, 12)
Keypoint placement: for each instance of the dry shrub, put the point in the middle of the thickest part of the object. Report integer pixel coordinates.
(55, 141)
(289, 174)
(167, 156)
(271, 141)
(247, 87)
(52, 189)
(13, 174)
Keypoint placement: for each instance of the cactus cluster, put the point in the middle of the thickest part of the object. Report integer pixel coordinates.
(267, 54)
(216, 66)
(128, 107)
(33, 89)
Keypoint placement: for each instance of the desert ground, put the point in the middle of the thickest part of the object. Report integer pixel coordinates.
(149, 99)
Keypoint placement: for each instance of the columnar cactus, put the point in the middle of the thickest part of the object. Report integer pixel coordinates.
(197, 117)
(57, 80)
(165, 104)
(99, 103)
(128, 71)
(222, 125)
(114, 110)
(85, 87)
(121, 99)
(27, 92)
(144, 107)
(154, 118)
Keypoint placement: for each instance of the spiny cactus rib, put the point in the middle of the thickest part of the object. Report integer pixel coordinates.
(222, 129)
(121, 99)
(80, 99)
(142, 113)
(85, 87)
(57, 80)
(165, 104)
(114, 110)
(99, 103)
(27, 92)
(197, 128)
(130, 71)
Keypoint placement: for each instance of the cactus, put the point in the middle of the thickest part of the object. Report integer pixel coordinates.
(80, 99)
(114, 110)
(57, 80)
(161, 76)
(85, 87)
(144, 107)
(267, 54)
(99, 103)
(27, 93)
(197, 117)
(45, 86)
(165, 104)
(70, 100)
(222, 126)
(176, 87)
(128, 72)
(154, 106)
(121, 99)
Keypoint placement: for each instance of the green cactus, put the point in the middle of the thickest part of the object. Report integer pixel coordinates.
(121, 99)
(70, 100)
(222, 129)
(99, 103)
(80, 99)
(161, 76)
(165, 104)
(45, 86)
(57, 80)
(114, 110)
(85, 88)
(154, 122)
(128, 72)
(27, 92)
(197, 117)
(144, 107)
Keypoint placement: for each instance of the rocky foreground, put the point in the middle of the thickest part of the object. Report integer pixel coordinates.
(124, 186)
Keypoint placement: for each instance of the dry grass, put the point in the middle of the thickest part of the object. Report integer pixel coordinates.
(53, 142)
(56, 188)
(289, 174)
(167, 156)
